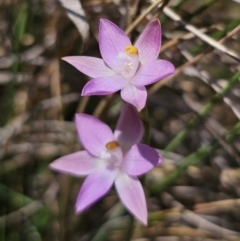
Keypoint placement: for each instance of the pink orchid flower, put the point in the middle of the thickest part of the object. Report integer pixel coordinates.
(111, 158)
(124, 66)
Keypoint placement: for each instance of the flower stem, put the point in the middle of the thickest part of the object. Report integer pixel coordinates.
(194, 159)
(146, 138)
(130, 229)
(180, 137)
(145, 119)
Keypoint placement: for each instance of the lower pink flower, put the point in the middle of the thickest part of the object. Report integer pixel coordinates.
(111, 158)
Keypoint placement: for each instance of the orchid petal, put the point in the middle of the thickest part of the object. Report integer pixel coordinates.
(135, 95)
(93, 67)
(93, 134)
(94, 187)
(78, 164)
(131, 193)
(149, 42)
(129, 130)
(153, 71)
(112, 41)
(139, 160)
(104, 85)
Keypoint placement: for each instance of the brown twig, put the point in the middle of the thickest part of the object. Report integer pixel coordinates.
(160, 84)
(142, 16)
(210, 41)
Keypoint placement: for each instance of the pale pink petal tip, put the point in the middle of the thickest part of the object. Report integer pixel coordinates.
(135, 95)
(104, 85)
(131, 193)
(93, 141)
(96, 185)
(132, 133)
(91, 66)
(140, 159)
(153, 71)
(149, 42)
(77, 164)
(112, 41)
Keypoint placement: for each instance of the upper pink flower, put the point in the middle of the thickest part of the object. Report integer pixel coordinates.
(111, 158)
(124, 66)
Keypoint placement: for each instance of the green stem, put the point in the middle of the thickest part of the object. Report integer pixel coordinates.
(130, 229)
(145, 119)
(202, 113)
(194, 159)
(18, 31)
(113, 224)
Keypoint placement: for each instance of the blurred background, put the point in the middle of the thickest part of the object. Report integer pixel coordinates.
(194, 120)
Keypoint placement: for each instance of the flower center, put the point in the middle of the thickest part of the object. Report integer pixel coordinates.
(130, 49)
(111, 145)
(128, 62)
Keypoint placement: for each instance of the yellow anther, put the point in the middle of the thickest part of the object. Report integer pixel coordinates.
(130, 49)
(111, 145)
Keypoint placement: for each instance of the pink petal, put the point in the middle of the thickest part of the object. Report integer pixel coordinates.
(149, 42)
(135, 95)
(131, 193)
(93, 134)
(78, 164)
(94, 187)
(93, 67)
(153, 71)
(139, 160)
(112, 41)
(129, 130)
(104, 85)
